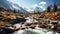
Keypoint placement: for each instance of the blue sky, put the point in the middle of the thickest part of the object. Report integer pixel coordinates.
(31, 3)
(34, 3)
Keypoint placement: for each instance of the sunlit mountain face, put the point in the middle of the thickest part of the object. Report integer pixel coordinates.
(5, 4)
(27, 4)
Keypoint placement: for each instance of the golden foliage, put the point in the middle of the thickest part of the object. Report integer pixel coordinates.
(2, 23)
(52, 15)
(36, 15)
(7, 14)
(57, 17)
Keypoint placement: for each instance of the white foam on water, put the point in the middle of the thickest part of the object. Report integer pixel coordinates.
(17, 26)
(49, 32)
(40, 31)
(30, 20)
(19, 32)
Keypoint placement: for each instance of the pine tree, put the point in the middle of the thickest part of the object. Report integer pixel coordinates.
(55, 7)
(48, 9)
(18, 11)
(1, 8)
(38, 12)
(14, 11)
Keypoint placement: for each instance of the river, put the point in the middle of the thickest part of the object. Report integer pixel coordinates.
(35, 31)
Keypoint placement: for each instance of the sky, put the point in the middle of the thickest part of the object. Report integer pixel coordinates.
(34, 3)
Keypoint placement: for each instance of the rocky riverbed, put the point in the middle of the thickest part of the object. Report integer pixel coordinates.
(33, 25)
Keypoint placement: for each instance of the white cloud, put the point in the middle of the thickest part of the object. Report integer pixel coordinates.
(42, 3)
(42, 8)
(35, 5)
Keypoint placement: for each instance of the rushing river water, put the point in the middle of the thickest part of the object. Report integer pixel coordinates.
(35, 31)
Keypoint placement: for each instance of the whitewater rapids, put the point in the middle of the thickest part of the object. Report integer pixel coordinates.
(35, 31)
